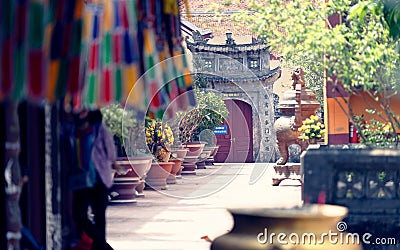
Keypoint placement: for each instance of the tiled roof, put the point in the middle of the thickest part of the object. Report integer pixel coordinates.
(216, 16)
(220, 5)
(218, 25)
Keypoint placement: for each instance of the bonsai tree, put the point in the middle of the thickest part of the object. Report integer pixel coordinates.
(357, 56)
(209, 112)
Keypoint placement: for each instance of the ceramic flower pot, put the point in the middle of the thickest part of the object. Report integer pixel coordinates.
(125, 186)
(194, 151)
(123, 189)
(141, 165)
(210, 159)
(194, 148)
(171, 179)
(179, 152)
(156, 178)
(201, 163)
(312, 141)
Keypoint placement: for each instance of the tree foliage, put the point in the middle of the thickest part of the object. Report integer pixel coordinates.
(377, 133)
(209, 112)
(121, 122)
(359, 53)
(124, 126)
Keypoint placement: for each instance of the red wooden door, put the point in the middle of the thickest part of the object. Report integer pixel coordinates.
(237, 144)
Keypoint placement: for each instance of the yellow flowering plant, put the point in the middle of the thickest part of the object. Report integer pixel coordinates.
(311, 129)
(159, 137)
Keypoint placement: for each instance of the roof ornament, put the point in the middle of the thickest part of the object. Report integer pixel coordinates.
(257, 40)
(229, 39)
(198, 37)
(298, 77)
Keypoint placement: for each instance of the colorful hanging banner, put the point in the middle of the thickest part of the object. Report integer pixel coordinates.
(171, 86)
(64, 73)
(119, 52)
(13, 42)
(36, 50)
(94, 51)
(153, 77)
(91, 42)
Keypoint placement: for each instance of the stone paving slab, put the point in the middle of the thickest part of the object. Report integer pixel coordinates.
(196, 206)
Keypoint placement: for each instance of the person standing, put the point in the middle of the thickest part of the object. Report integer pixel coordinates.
(101, 153)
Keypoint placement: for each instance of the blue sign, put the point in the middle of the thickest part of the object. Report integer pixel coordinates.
(221, 130)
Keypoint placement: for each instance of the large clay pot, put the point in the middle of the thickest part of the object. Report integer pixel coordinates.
(125, 186)
(259, 228)
(195, 148)
(156, 178)
(179, 173)
(189, 165)
(201, 163)
(141, 165)
(210, 159)
(179, 152)
(171, 179)
(124, 190)
(189, 162)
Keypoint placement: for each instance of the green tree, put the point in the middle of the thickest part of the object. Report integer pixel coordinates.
(360, 53)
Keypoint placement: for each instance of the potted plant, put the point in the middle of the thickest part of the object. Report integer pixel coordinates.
(209, 112)
(377, 133)
(159, 138)
(210, 150)
(188, 123)
(125, 127)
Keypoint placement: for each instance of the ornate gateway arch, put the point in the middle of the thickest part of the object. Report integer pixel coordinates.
(241, 72)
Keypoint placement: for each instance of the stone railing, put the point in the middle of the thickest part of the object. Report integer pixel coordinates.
(367, 181)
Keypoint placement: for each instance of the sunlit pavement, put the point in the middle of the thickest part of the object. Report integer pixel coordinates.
(195, 207)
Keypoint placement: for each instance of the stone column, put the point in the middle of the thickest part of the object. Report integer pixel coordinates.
(52, 179)
(267, 144)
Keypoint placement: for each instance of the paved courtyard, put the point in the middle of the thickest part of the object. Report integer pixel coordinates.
(196, 206)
